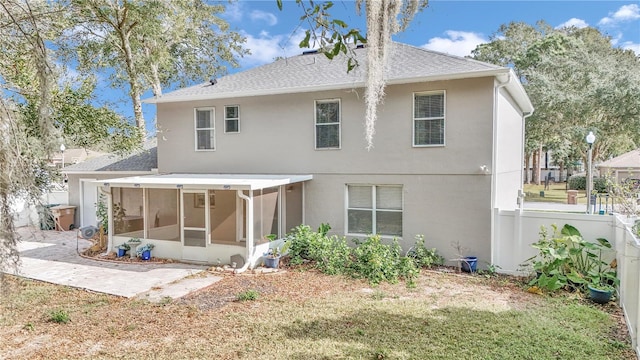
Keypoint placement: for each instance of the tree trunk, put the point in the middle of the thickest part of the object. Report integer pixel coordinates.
(527, 163)
(559, 179)
(134, 90)
(535, 171)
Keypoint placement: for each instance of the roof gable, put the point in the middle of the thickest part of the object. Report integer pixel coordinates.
(315, 71)
(625, 161)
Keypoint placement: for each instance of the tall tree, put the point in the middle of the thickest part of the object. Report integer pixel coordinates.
(578, 82)
(37, 112)
(26, 70)
(148, 45)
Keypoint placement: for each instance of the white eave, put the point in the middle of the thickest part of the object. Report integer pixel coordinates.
(205, 181)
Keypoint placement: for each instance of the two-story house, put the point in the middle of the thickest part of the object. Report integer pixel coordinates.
(263, 150)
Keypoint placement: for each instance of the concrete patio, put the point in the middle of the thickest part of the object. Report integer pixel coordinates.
(53, 256)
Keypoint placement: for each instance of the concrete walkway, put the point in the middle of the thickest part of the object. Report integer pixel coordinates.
(52, 256)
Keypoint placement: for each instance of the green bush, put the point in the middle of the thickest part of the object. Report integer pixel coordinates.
(249, 295)
(377, 262)
(579, 182)
(423, 256)
(59, 316)
(369, 259)
(330, 254)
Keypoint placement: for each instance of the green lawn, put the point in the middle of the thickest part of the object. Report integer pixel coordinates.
(555, 193)
(307, 315)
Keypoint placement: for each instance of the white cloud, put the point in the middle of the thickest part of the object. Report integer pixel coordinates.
(267, 17)
(573, 22)
(233, 12)
(628, 45)
(266, 47)
(459, 43)
(625, 13)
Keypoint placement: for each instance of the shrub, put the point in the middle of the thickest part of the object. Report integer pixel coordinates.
(370, 259)
(299, 241)
(377, 262)
(329, 254)
(249, 295)
(422, 256)
(59, 316)
(579, 182)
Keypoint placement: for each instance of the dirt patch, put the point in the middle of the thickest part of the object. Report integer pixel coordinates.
(103, 326)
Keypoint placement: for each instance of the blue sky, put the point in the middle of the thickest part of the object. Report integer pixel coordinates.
(450, 26)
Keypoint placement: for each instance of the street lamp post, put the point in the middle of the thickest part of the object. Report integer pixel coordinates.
(62, 149)
(590, 139)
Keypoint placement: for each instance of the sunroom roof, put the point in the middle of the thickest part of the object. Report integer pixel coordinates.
(206, 181)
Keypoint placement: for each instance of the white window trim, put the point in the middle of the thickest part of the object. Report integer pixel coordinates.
(413, 118)
(196, 128)
(373, 209)
(315, 123)
(237, 119)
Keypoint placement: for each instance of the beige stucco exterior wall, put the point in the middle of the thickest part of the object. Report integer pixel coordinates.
(446, 196)
(443, 208)
(278, 137)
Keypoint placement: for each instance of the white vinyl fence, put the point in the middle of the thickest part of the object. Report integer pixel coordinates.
(628, 249)
(27, 214)
(515, 231)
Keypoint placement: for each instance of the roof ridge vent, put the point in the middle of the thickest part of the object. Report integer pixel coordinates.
(310, 52)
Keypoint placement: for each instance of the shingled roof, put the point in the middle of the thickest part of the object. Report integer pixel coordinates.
(630, 160)
(314, 72)
(144, 160)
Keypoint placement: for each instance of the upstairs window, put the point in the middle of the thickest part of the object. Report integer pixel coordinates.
(428, 119)
(327, 124)
(205, 128)
(232, 119)
(374, 209)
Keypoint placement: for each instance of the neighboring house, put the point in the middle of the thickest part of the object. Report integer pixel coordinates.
(625, 166)
(75, 156)
(84, 191)
(261, 151)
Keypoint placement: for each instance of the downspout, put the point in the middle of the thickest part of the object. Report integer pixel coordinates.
(249, 230)
(109, 218)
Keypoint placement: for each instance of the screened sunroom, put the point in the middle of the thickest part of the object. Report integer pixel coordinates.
(202, 217)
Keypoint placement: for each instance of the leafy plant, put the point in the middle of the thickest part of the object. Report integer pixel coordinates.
(377, 262)
(59, 316)
(102, 213)
(143, 248)
(134, 240)
(566, 261)
(124, 246)
(249, 295)
(492, 270)
(369, 259)
(423, 256)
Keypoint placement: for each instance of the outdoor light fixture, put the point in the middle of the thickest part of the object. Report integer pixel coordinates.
(62, 149)
(590, 140)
